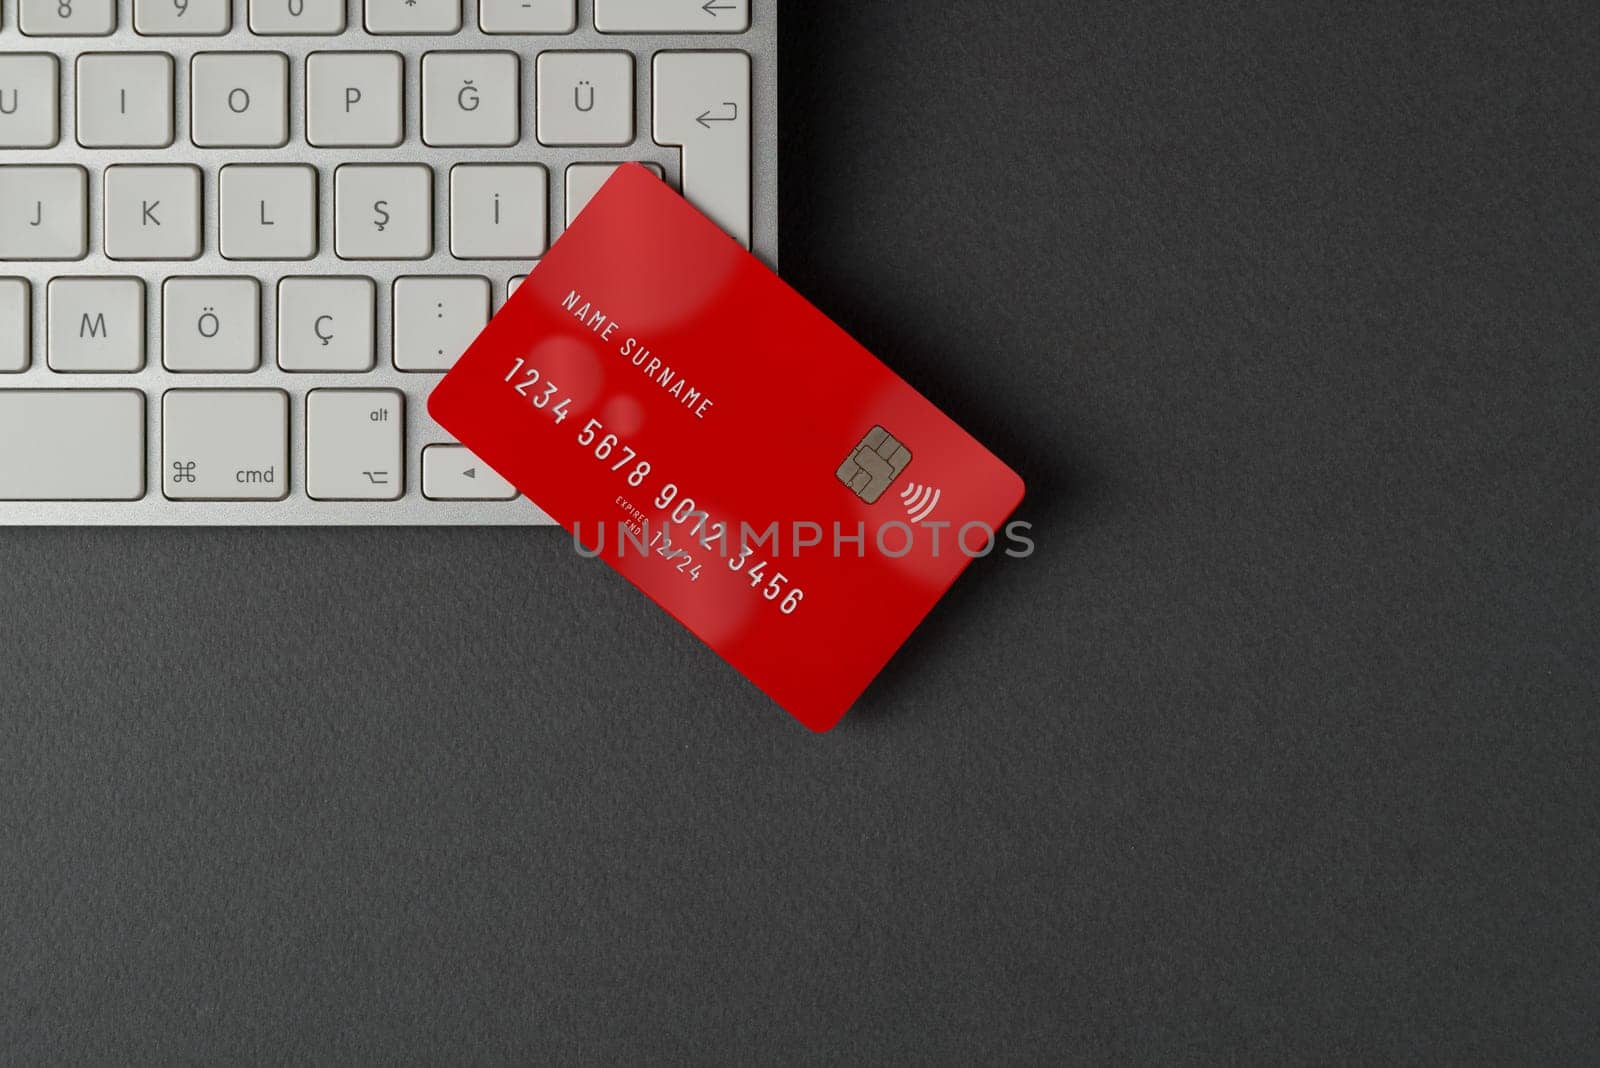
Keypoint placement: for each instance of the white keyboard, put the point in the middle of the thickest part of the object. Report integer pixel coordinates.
(240, 240)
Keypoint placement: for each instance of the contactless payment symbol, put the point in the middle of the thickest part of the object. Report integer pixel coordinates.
(920, 501)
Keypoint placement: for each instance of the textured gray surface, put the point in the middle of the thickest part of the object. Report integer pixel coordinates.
(1282, 748)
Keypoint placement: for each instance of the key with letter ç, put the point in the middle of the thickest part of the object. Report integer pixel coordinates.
(326, 324)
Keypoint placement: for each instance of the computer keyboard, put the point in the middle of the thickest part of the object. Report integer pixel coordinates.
(240, 240)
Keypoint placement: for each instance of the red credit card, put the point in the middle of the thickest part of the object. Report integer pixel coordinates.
(667, 399)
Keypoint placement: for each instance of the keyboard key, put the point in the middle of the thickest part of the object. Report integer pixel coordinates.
(239, 99)
(499, 211)
(672, 16)
(528, 16)
(354, 99)
(585, 98)
(269, 212)
(585, 179)
(71, 445)
(15, 324)
(320, 18)
(435, 319)
(453, 473)
(326, 324)
(182, 18)
(30, 96)
(383, 211)
(702, 104)
(225, 444)
(67, 18)
(355, 444)
(211, 324)
(470, 98)
(95, 324)
(44, 213)
(413, 16)
(125, 100)
(152, 212)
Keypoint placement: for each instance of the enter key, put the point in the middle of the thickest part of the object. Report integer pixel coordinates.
(702, 105)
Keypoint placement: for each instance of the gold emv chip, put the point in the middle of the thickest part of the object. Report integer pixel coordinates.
(874, 464)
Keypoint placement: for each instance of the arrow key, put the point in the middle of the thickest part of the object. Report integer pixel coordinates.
(453, 473)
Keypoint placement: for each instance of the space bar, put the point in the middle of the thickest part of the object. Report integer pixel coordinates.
(71, 445)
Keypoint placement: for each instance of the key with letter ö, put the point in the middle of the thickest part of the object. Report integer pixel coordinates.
(29, 100)
(211, 324)
(225, 444)
(702, 104)
(326, 324)
(44, 213)
(77, 445)
(355, 442)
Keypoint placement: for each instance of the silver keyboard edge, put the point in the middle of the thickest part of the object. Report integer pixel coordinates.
(299, 510)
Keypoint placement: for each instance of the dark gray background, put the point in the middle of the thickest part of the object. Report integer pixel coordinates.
(1282, 747)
